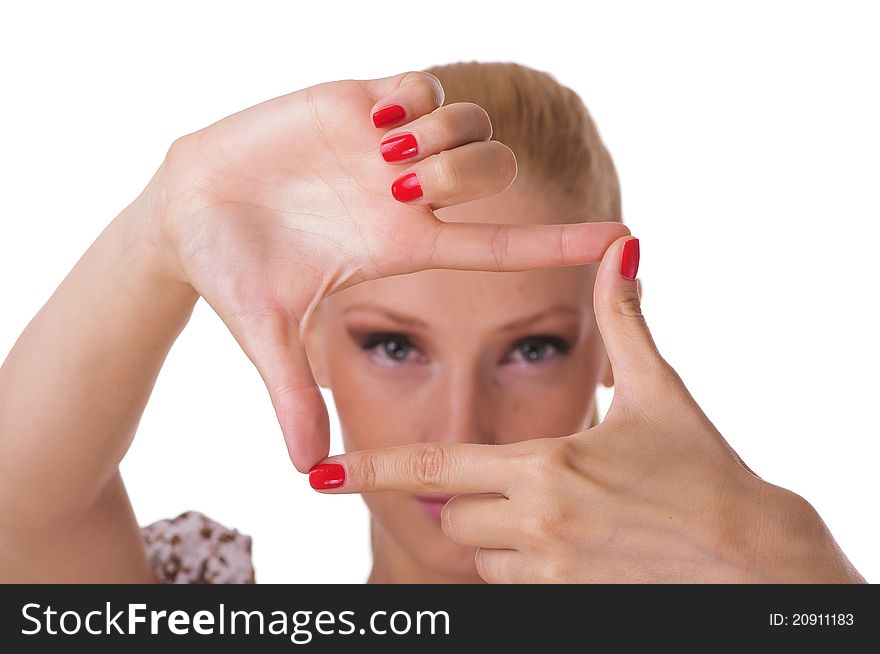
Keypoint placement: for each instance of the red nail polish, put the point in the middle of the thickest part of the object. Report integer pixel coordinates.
(388, 115)
(327, 475)
(629, 260)
(399, 147)
(406, 188)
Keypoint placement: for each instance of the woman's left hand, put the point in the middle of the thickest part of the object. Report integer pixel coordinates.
(652, 494)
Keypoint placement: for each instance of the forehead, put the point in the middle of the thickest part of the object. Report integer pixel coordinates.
(465, 299)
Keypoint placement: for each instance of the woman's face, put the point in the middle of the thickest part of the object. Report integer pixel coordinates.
(460, 357)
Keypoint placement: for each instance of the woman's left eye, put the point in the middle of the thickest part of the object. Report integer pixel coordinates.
(537, 349)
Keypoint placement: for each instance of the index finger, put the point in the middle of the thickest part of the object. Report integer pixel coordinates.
(455, 468)
(501, 247)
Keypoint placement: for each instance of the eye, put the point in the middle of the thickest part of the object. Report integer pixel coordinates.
(537, 349)
(393, 348)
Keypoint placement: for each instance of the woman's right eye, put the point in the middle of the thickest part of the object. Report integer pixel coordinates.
(395, 348)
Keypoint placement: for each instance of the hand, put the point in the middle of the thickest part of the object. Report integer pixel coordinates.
(652, 494)
(271, 209)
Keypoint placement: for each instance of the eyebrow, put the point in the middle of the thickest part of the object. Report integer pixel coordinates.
(388, 313)
(519, 323)
(540, 315)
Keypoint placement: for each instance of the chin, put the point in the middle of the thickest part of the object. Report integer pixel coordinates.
(418, 532)
(449, 558)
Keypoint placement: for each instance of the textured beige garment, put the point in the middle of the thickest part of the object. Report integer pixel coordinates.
(194, 549)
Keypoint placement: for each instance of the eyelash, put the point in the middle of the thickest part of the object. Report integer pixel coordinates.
(374, 341)
(560, 345)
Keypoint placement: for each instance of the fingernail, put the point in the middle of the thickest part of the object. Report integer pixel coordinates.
(629, 260)
(406, 188)
(399, 147)
(327, 475)
(388, 115)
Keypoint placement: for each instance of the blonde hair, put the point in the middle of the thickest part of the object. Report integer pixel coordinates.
(547, 126)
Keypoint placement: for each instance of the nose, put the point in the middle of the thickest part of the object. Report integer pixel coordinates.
(468, 408)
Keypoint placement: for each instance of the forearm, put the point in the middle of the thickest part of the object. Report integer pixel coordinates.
(74, 386)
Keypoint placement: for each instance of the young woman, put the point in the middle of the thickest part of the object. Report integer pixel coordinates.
(284, 217)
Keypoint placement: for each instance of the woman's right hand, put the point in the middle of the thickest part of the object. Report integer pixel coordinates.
(270, 209)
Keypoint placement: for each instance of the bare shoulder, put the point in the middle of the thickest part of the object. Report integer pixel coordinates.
(194, 549)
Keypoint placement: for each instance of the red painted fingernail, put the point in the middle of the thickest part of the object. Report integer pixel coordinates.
(399, 147)
(327, 475)
(406, 188)
(388, 115)
(629, 260)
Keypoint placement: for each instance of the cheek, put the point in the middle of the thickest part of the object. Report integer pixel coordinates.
(547, 414)
(547, 406)
(372, 406)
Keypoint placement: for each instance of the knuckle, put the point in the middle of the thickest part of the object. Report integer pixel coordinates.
(431, 83)
(445, 130)
(666, 372)
(182, 156)
(503, 161)
(447, 172)
(799, 517)
(557, 521)
(178, 148)
(501, 246)
(480, 563)
(289, 393)
(533, 463)
(481, 117)
(489, 567)
(567, 452)
(630, 306)
(429, 465)
(365, 471)
(537, 527)
(448, 521)
(546, 462)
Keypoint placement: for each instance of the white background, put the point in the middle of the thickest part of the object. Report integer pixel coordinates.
(746, 137)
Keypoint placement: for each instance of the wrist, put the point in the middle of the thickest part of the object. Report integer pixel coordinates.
(150, 227)
(148, 254)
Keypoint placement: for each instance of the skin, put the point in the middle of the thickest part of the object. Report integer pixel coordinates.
(475, 366)
(269, 211)
(652, 494)
(263, 214)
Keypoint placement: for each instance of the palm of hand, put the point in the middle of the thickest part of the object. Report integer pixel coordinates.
(299, 209)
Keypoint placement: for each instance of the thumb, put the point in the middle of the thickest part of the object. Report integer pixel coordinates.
(275, 346)
(617, 305)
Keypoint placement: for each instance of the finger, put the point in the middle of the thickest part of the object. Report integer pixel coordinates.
(276, 349)
(501, 247)
(404, 97)
(468, 172)
(423, 468)
(480, 521)
(443, 129)
(499, 566)
(628, 342)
